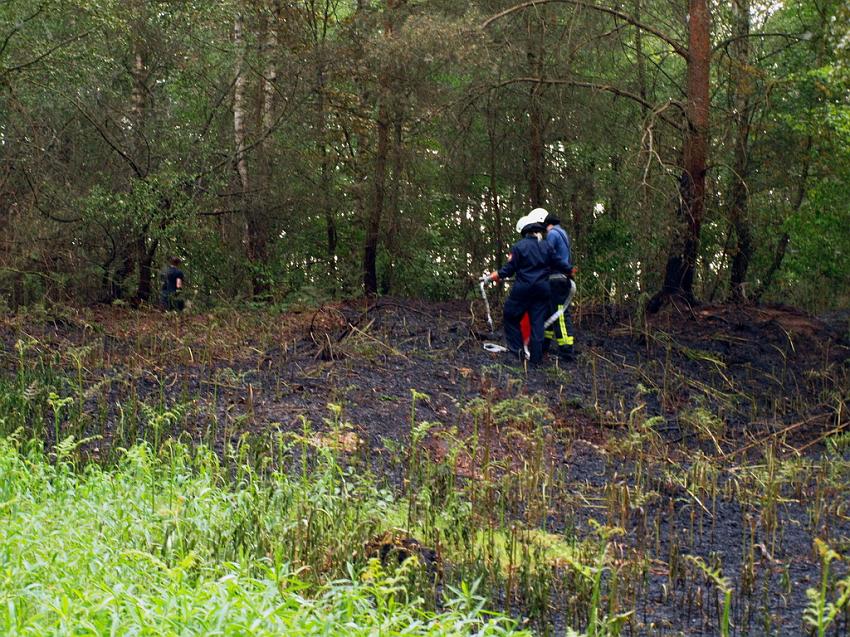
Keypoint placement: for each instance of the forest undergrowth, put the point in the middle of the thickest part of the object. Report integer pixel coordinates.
(368, 466)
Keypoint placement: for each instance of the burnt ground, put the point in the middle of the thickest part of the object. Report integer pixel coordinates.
(714, 433)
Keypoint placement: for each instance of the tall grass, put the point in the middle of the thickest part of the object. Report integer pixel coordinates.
(168, 546)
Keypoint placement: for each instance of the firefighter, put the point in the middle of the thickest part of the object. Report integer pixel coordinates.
(172, 286)
(562, 289)
(531, 261)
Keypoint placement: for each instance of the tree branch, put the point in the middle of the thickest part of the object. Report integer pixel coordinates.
(795, 37)
(38, 205)
(676, 46)
(599, 87)
(39, 58)
(18, 27)
(130, 162)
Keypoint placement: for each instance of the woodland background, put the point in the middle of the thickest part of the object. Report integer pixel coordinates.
(311, 149)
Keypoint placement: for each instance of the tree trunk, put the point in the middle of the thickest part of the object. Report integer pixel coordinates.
(325, 183)
(373, 223)
(251, 231)
(392, 244)
(536, 157)
(270, 46)
(239, 105)
(495, 209)
(145, 256)
(640, 60)
(742, 105)
(325, 173)
(682, 257)
(125, 269)
(582, 201)
(259, 220)
(615, 204)
(137, 252)
(318, 25)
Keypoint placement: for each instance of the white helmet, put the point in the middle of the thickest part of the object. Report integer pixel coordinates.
(538, 215)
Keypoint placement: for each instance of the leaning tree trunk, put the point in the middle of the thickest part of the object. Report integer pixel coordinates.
(680, 270)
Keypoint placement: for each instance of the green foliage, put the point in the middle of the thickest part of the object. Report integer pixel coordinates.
(821, 611)
(163, 547)
(119, 167)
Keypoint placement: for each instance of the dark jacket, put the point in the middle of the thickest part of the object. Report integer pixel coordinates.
(169, 279)
(532, 261)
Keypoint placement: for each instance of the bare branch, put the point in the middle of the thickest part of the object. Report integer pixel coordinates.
(676, 46)
(50, 51)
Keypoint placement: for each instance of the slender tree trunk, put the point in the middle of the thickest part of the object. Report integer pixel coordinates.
(138, 100)
(318, 21)
(325, 181)
(373, 223)
(145, 254)
(394, 208)
(582, 200)
(259, 218)
(495, 209)
(739, 211)
(269, 90)
(138, 253)
(615, 206)
(682, 257)
(536, 158)
(239, 137)
(239, 88)
(641, 61)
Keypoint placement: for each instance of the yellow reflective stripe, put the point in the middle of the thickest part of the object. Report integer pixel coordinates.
(549, 334)
(564, 338)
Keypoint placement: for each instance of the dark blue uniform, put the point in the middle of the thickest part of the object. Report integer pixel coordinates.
(531, 263)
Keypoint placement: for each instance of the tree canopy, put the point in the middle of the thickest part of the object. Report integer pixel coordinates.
(325, 148)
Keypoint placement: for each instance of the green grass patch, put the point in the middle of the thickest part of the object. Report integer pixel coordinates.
(173, 545)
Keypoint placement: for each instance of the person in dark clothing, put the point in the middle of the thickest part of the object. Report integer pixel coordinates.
(562, 288)
(172, 286)
(531, 261)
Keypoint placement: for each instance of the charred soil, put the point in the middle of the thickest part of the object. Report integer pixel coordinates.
(706, 441)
